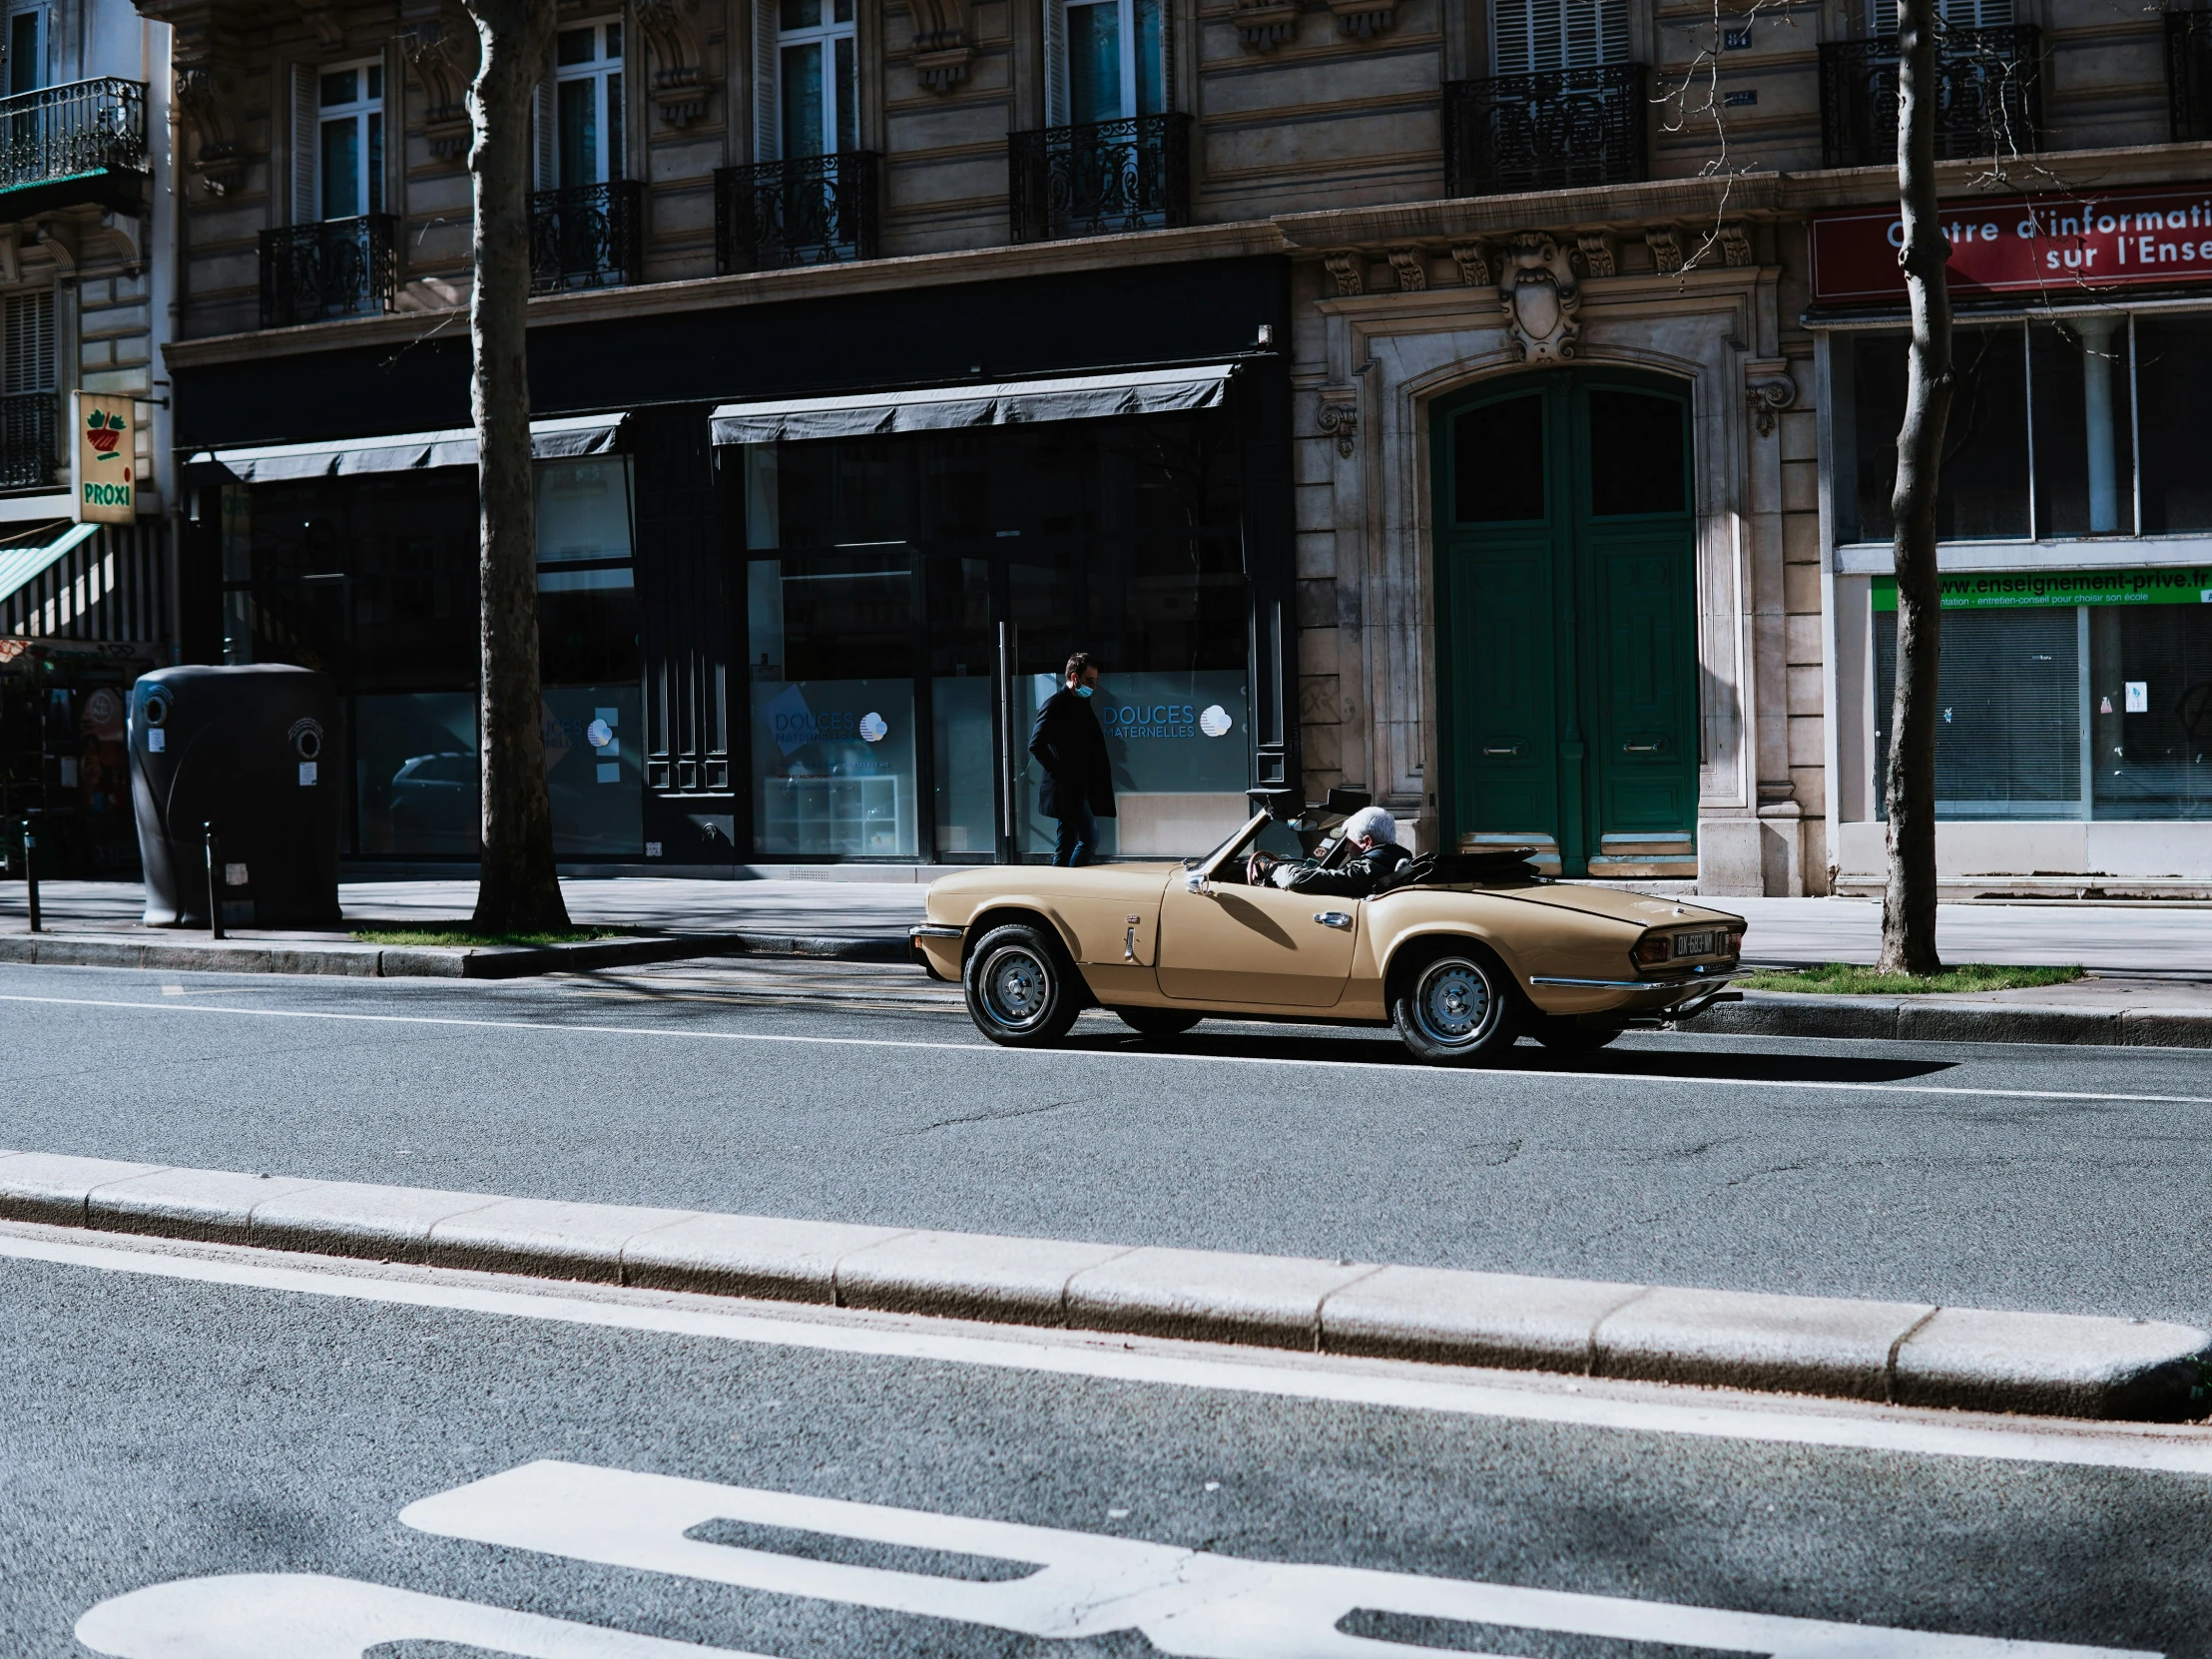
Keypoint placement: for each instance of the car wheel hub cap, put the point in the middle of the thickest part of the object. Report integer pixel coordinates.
(1454, 1003)
(1017, 989)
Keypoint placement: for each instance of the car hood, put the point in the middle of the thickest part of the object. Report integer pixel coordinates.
(1637, 909)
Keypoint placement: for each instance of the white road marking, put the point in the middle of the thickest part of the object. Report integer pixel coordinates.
(310, 1616)
(1282, 1376)
(1189, 1603)
(1397, 1067)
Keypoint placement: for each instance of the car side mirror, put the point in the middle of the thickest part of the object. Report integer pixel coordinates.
(1195, 882)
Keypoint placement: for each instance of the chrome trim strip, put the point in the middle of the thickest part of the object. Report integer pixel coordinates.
(934, 930)
(1704, 978)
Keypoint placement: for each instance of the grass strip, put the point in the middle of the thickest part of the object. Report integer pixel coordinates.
(1856, 979)
(461, 937)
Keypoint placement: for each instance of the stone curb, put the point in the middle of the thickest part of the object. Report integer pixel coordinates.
(2051, 1364)
(191, 955)
(1920, 1020)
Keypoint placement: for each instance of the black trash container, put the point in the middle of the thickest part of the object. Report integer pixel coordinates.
(252, 751)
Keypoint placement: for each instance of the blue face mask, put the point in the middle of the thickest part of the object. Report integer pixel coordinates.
(1084, 691)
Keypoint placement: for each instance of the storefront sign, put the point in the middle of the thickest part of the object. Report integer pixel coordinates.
(2008, 590)
(102, 459)
(2058, 246)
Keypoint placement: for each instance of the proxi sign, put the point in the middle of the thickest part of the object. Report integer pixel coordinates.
(2063, 246)
(103, 459)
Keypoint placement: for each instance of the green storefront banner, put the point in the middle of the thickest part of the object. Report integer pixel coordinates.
(2001, 590)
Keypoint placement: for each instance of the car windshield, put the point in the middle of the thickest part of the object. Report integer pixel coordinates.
(1329, 850)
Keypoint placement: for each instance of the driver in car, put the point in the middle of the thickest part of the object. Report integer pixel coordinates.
(1373, 835)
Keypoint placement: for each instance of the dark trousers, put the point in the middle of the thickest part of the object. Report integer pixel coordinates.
(1078, 838)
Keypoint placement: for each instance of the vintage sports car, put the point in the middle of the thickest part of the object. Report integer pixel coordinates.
(1462, 953)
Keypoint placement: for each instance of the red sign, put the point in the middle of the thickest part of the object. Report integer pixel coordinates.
(2058, 245)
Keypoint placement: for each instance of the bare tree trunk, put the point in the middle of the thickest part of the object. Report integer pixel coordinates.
(518, 891)
(1908, 792)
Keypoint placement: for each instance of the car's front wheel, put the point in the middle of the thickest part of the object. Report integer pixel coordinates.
(1456, 1008)
(1021, 988)
(1158, 1023)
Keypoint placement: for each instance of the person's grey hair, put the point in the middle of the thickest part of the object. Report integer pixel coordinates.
(1371, 820)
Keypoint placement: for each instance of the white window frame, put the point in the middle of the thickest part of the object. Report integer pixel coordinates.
(41, 69)
(605, 70)
(827, 34)
(1062, 82)
(368, 190)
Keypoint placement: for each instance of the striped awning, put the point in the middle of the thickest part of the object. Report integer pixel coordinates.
(21, 566)
(560, 438)
(1133, 392)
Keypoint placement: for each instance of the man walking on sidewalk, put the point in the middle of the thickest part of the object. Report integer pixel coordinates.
(1071, 747)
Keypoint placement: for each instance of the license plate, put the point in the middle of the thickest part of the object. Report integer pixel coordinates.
(1693, 944)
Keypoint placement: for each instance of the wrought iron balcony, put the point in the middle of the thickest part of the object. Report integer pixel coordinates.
(62, 147)
(28, 422)
(587, 236)
(1100, 179)
(813, 210)
(2189, 75)
(328, 269)
(1989, 96)
(1554, 130)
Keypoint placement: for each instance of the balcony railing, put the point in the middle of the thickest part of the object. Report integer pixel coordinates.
(813, 210)
(1100, 179)
(587, 236)
(1554, 130)
(1989, 96)
(2189, 75)
(328, 269)
(61, 146)
(27, 421)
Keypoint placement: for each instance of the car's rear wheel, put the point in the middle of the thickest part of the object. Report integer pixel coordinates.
(1158, 1023)
(1564, 1034)
(1457, 1007)
(1021, 987)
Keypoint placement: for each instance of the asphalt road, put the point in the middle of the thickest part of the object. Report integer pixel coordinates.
(2046, 1178)
(419, 1468)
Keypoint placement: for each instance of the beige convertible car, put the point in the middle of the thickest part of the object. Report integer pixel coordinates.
(1462, 953)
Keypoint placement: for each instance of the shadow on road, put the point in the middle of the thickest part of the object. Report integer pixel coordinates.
(1320, 1047)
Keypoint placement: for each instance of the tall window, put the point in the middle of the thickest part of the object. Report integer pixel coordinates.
(1531, 36)
(349, 141)
(1116, 66)
(587, 95)
(819, 89)
(26, 49)
(1958, 14)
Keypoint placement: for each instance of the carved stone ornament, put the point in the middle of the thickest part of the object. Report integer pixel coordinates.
(1345, 268)
(1596, 248)
(1343, 420)
(1264, 25)
(1768, 389)
(442, 53)
(216, 158)
(327, 19)
(678, 87)
(1540, 296)
(1735, 240)
(1363, 18)
(1473, 260)
(1665, 242)
(1412, 267)
(943, 47)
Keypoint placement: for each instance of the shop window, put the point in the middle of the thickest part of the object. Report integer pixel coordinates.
(2151, 710)
(2008, 712)
(587, 591)
(2084, 453)
(1983, 484)
(2173, 366)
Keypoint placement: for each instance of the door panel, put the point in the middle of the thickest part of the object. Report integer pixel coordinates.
(1646, 761)
(1254, 945)
(1505, 709)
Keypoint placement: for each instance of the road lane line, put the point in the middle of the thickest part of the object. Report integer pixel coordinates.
(1398, 1068)
(1285, 1376)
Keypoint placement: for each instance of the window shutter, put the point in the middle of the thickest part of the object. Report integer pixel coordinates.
(29, 342)
(542, 134)
(1531, 36)
(768, 119)
(1055, 63)
(306, 132)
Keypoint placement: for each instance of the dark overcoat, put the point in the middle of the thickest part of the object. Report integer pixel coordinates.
(1071, 747)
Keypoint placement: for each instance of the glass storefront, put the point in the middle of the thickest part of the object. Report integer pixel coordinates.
(373, 581)
(938, 582)
(2049, 707)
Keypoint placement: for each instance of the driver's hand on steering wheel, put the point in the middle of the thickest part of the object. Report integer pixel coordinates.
(1256, 867)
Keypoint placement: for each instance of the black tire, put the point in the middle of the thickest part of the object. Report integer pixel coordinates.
(1022, 990)
(1564, 1034)
(1456, 1006)
(1158, 1023)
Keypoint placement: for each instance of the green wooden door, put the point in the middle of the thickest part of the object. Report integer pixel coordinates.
(1567, 674)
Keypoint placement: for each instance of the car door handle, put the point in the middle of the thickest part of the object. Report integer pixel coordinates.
(1333, 918)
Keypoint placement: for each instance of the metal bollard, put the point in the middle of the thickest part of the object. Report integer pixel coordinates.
(215, 882)
(30, 872)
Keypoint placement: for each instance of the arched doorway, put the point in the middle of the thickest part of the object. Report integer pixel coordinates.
(1567, 637)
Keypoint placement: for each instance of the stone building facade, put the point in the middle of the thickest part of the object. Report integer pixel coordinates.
(1435, 399)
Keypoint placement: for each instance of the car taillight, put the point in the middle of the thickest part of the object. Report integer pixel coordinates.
(1732, 944)
(1655, 951)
